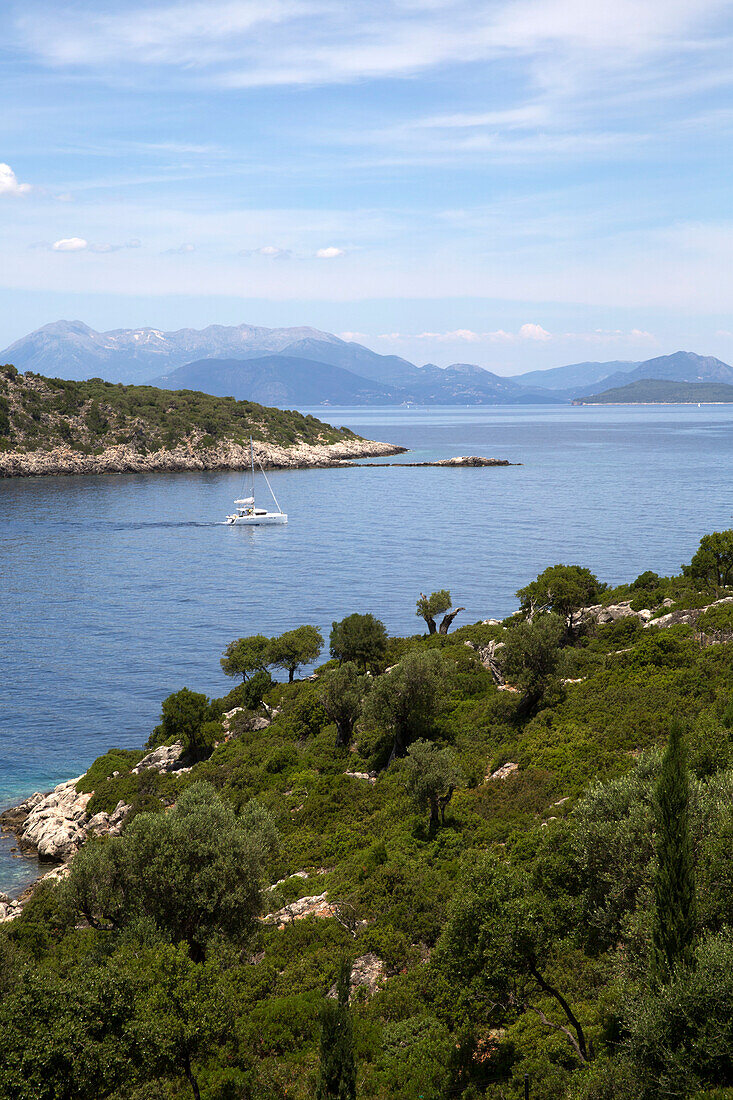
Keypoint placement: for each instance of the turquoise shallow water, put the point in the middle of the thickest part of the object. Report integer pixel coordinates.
(116, 590)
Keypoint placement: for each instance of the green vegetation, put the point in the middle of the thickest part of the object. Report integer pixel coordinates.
(658, 391)
(361, 639)
(39, 414)
(567, 917)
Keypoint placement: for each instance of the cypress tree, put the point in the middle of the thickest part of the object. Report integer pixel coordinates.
(673, 927)
(337, 1079)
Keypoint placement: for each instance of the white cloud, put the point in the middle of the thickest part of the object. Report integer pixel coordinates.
(533, 332)
(79, 244)
(9, 184)
(181, 250)
(329, 253)
(70, 244)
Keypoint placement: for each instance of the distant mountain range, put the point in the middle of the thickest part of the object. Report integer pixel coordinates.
(305, 366)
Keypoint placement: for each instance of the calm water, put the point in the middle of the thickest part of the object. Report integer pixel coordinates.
(116, 590)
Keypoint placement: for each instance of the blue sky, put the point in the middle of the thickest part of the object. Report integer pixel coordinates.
(516, 184)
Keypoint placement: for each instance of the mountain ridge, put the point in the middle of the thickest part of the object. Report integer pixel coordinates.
(188, 357)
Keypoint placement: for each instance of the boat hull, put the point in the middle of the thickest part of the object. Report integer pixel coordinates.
(270, 520)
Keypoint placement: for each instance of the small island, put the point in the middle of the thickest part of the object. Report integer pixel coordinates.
(51, 426)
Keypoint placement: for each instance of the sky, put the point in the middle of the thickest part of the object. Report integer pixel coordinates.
(515, 184)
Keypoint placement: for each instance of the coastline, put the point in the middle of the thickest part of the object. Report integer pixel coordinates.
(122, 459)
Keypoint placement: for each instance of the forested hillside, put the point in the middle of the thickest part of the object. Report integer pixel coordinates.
(40, 414)
(442, 863)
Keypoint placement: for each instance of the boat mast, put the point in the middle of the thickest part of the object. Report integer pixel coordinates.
(252, 458)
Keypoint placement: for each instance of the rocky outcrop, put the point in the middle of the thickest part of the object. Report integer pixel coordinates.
(316, 905)
(368, 777)
(613, 612)
(368, 973)
(55, 825)
(504, 771)
(191, 455)
(460, 460)
(163, 759)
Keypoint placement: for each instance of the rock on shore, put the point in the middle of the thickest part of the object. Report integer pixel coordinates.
(55, 825)
(190, 456)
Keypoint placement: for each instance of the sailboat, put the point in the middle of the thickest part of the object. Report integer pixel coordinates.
(246, 512)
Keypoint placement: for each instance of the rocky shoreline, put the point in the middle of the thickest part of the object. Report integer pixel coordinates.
(123, 459)
(460, 460)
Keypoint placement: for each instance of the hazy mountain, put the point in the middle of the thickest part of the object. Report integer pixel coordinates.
(575, 374)
(281, 380)
(683, 366)
(71, 349)
(288, 380)
(661, 391)
(390, 370)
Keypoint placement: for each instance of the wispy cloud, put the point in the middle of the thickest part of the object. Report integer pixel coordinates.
(330, 253)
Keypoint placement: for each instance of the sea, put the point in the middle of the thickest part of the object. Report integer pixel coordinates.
(116, 590)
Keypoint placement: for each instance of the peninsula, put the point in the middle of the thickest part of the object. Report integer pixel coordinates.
(51, 426)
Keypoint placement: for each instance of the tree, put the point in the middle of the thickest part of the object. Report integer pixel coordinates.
(562, 589)
(194, 872)
(183, 716)
(337, 1076)
(244, 656)
(495, 947)
(431, 778)
(712, 563)
(530, 657)
(361, 639)
(295, 648)
(406, 699)
(181, 1013)
(673, 928)
(434, 604)
(341, 691)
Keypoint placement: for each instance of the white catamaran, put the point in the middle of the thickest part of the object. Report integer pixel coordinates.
(246, 512)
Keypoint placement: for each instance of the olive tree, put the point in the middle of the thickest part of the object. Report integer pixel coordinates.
(194, 872)
(435, 604)
(431, 777)
(406, 699)
(530, 657)
(562, 589)
(295, 648)
(341, 691)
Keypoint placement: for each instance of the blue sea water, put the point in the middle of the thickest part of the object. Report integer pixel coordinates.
(116, 590)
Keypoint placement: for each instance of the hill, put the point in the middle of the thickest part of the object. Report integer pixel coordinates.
(496, 890)
(52, 425)
(652, 391)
